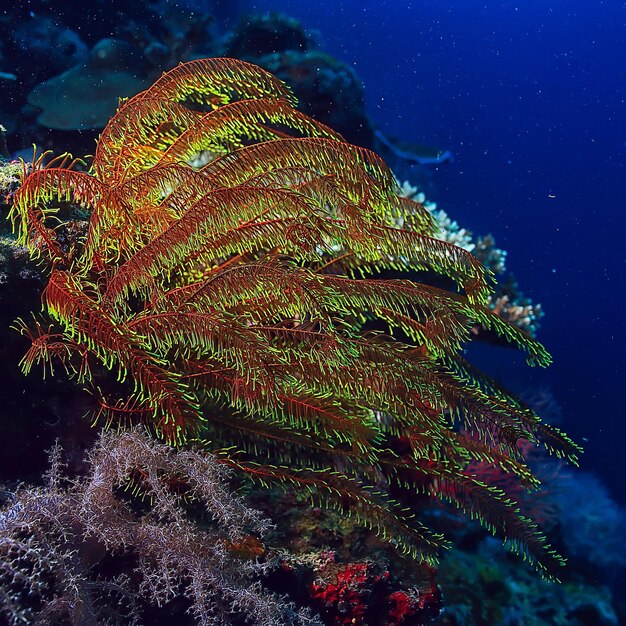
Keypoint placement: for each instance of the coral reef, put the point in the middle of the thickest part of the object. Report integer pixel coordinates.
(592, 526)
(4, 150)
(507, 301)
(47, 43)
(79, 91)
(10, 173)
(327, 560)
(513, 305)
(15, 262)
(483, 588)
(358, 593)
(87, 551)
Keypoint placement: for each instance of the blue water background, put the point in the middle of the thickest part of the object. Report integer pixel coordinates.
(530, 96)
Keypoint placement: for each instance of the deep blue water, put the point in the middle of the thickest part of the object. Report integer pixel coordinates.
(530, 96)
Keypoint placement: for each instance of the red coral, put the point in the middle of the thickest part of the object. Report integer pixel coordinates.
(346, 597)
(413, 607)
(358, 593)
(402, 606)
(416, 606)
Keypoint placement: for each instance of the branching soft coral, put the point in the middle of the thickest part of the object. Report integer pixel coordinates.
(240, 303)
(53, 540)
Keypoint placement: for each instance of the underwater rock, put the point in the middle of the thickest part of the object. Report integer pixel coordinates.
(593, 526)
(85, 96)
(45, 42)
(271, 33)
(171, 35)
(4, 151)
(486, 587)
(327, 89)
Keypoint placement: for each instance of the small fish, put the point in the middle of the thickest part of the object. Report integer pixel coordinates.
(414, 153)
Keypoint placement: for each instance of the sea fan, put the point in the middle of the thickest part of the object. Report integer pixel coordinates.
(230, 276)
